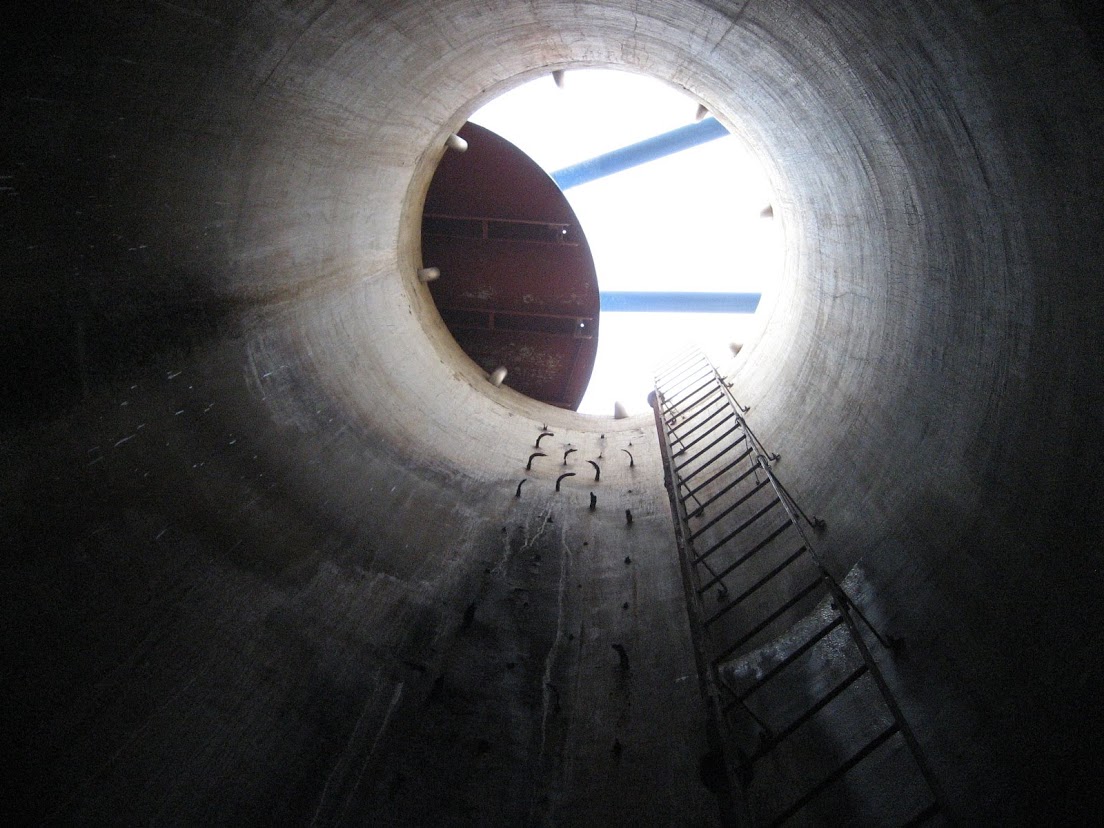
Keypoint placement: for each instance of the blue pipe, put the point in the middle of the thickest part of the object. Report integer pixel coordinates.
(633, 155)
(671, 302)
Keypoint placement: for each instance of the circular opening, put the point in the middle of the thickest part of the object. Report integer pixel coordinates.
(678, 213)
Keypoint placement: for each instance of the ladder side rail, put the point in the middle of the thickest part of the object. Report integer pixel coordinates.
(733, 804)
(815, 522)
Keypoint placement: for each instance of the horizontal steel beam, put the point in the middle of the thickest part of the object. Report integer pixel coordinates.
(639, 153)
(619, 301)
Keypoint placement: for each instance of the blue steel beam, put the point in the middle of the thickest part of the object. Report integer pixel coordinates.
(675, 302)
(633, 155)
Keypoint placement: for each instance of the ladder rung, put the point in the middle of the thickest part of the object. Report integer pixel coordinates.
(766, 622)
(757, 548)
(743, 596)
(701, 407)
(791, 658)
(700, 396)
(676, 362)
(682, 437)
(681, 358)
(737, 530)
(677, 395)
(671, 401)
(729, 487)
(736, 505)
(713, 477)
(675, 406)
(706, 433)
(714, 458)
(821, 703)
(690, 460)
(870, 747)
(674, 396)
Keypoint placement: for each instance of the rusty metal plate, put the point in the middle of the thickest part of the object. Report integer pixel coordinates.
(517, 286)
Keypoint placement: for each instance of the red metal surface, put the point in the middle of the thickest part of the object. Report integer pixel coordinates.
(517, 285)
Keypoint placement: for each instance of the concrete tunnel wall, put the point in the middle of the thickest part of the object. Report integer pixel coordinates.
(251, 486)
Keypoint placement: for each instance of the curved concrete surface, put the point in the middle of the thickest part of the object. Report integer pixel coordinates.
(254, 490)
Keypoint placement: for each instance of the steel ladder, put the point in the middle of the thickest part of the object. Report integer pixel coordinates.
(804, 727)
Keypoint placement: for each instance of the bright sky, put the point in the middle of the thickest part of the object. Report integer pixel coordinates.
(687, 222)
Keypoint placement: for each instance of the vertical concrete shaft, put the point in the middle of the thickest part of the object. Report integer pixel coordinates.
(251, 488)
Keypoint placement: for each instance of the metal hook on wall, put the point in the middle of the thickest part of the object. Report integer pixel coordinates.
(561, 477)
